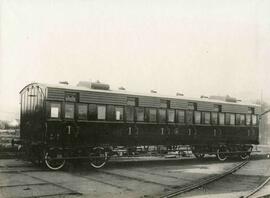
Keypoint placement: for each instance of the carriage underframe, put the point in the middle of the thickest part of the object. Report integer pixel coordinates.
(55, 157)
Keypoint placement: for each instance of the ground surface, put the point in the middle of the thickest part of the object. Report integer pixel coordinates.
(133, 177)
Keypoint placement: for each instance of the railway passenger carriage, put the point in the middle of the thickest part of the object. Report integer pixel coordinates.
(63, 122)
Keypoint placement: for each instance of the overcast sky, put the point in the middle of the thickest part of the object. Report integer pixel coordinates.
(193, 47)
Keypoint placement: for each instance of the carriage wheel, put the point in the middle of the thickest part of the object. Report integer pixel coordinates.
(98, 157)
(222, 153)
(51, 161)
(246, 155)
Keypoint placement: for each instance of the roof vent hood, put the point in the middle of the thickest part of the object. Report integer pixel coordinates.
(94, 85)
(63, 82)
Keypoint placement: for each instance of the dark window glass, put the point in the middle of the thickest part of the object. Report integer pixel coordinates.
(119, 113)
(237, 119)
(206, 117)
(162, 115)
(152, 115)
(248, 119)
(214, 118)
(217, 108)
(171, 115)
(189, 116)
(129, 113)
(197, 115)
(242, 119)
(69, 111)
(164, 103)
(221, 118)
(101, 112)
(55, 110)
(254, 119)
(92, 111)
(71, 97)
(132, 101)
(82, 111)
(251, 110)
(227, 118)
(192, 106)
(232, 119)
(181, 116)
(110, 112)
(139, 114)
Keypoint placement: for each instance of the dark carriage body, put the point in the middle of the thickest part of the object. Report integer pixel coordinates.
(69, 117)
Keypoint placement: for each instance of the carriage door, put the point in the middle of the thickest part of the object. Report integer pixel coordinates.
(70, 130)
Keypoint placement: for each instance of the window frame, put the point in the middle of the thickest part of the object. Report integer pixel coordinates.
(136, 114)
(183, 116)
(126, 111)
(212, 118)
(105, 113)
(149, 115)
(159, 115)
(187, 116)
(65, 105)
(170, 110)
(196, 120)
(248, 121)
(204, 113)
(77, 111)
(219, 118)
(49, 108)
(121, 114)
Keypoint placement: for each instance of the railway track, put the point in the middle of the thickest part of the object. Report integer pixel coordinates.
(163, 179)
(203, 182)
(257, 189)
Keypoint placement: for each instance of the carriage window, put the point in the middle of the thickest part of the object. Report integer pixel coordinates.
(92, 111)
(119, 113)
(132, 101)
(254, 119)
(69, 111)
(251, 110)
(197, 117)
(164, 103)
(192, 106)
(232, 119)
(221, 118)
(189, 116)
(101, 112)
(171, 115)
(214, 117)
(82, 112)
(227, 118)
(152, 115)
(181, 116)
(206, 117)
(162, 115)
(71, 97)
(139, 114)
(242, 119)
(217, 108)
(129, 113)
(237, 119)
(55, 110)
(248, 119)
(110, 110)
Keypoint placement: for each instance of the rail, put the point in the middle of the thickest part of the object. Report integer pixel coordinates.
(204, 182)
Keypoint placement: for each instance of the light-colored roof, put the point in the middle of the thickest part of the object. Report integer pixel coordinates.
(71, 87)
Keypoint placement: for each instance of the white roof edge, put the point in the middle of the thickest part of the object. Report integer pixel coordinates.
(145, 94)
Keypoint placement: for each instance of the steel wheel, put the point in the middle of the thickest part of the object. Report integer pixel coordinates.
(98, 157)
(222, 154)
(245, 155)
(51, 162)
